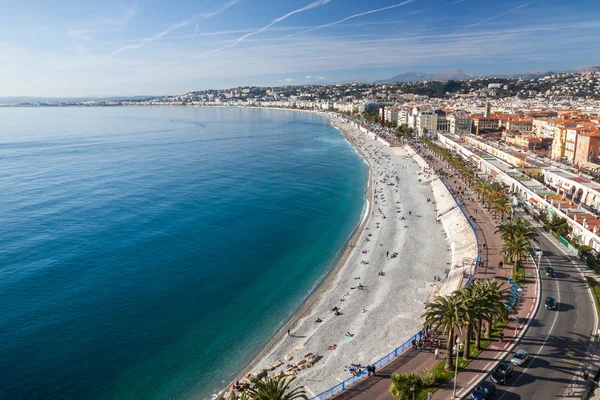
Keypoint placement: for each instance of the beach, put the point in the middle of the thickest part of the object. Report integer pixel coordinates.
(384, 278)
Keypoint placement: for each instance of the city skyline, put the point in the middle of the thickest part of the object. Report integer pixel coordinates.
(137, 48)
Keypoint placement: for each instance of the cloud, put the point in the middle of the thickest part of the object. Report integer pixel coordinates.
(103, 25)
(312, 5)
(287, 80)
(219, 10)
(350, 17)
(494, 17)
(151, 39)
(181, 24)
(308, 77)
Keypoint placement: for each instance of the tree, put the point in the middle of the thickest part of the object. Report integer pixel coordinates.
(491, 297)
(403, 385)
(517, 248)
(445, 312)
(470, 314)
(560, 225)
(502, 206)
(276, 388)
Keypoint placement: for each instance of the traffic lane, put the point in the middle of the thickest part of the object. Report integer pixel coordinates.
(556, 348)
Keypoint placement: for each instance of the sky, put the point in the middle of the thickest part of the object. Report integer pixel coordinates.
(67, 48)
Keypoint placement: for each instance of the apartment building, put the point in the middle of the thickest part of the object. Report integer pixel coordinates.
(587, 148)
(459, 123)
(482, 123)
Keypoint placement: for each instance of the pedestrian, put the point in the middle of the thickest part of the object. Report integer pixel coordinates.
(414, 344)
(437, 354)
(387, 253)
(289, 334)
(501, 336)
(373, 369)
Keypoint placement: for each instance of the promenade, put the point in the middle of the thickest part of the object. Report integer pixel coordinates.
(377, 387)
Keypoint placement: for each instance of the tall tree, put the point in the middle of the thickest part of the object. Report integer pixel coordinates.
(445, 312)
(276, 388)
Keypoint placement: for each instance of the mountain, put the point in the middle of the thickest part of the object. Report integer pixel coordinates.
(34, 100)
(445, 75)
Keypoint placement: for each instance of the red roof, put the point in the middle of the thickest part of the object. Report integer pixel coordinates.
(581, 179)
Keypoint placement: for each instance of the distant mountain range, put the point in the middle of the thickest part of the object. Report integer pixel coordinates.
(458, 75)
(35, 100)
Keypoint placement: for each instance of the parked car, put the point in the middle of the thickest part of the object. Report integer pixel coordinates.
(550, 303)
(537, 251)
(520, 357)
(502, 372)
(550, 272)
(484, 391)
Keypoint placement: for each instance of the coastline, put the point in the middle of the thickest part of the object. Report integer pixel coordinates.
(394, 304)
(327, 280)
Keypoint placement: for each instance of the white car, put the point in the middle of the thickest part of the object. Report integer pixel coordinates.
(537, 251)
(520, 357)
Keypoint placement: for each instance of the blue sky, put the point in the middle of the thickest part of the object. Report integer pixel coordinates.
(97, 48)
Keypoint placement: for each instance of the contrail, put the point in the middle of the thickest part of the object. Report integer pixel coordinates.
(144, 41)
(347, 18)
(315, 4)
(494, 17)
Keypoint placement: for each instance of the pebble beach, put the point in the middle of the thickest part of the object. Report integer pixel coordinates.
(412, 235)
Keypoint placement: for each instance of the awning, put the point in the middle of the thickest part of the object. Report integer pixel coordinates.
(531, 199)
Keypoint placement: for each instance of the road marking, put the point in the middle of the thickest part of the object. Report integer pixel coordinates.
(498, 355)
(458, 393)
(486, 366)
(506, 345)
(472, 379)
(543, 343)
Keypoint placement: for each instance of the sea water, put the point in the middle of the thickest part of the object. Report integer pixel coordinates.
(150, 253)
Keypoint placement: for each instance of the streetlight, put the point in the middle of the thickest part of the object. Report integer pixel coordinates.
(412, 390)
(539, 261)
(456, 352)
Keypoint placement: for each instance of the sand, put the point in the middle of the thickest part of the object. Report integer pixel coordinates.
(388, 310)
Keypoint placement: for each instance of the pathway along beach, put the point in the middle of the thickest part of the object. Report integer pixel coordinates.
(383, 280)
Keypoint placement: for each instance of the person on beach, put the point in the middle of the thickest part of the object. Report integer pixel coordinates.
(289, 334)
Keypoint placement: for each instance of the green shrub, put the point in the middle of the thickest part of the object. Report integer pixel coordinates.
(428, 378)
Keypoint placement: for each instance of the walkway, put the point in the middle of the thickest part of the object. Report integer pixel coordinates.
(376, 388)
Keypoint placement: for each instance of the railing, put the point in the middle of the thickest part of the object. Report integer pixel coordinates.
(329, 393)
(470, 279)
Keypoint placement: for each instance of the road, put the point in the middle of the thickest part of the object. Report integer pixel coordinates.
(557, 339)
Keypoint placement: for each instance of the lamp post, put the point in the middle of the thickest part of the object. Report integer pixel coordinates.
(539, 261)
(412, 390)
(456, 352)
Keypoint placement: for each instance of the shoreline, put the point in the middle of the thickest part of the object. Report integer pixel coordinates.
(326, 282)
(397, 304)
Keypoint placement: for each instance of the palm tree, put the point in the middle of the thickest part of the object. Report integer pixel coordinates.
(403, 384)
(560, 225)
(519, 228)
(445, 312)
(276, 388)
(470, 314)
(502, 206)
(516, 248)
(492, 296)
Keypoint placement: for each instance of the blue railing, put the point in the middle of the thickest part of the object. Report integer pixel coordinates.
(470, 279)
(329, 393)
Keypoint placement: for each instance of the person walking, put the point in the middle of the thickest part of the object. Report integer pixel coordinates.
(501, 336)
(289, 334)
(437, 353)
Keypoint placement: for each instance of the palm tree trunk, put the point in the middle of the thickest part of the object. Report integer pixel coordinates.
(467, 350)
(450, 347)
(488, 325)
(478, 335)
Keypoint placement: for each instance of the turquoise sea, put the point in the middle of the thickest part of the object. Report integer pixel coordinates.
(149, 253)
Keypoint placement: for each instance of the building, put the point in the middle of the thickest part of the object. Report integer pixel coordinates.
(443, 125)
(587, 148)
(423, 118)
(520, 125)
(485, 124)
(459, 123)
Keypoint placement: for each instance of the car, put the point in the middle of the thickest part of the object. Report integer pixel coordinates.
(520, 357)
(537, 251)
(550, 303)
(550, 272)
(502, 372)
(484, 391)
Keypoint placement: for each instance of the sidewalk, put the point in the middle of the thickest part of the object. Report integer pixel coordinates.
(376, 388)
